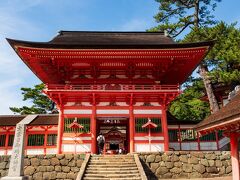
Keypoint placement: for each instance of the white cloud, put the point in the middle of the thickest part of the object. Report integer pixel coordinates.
(13, 73)
(135, 25)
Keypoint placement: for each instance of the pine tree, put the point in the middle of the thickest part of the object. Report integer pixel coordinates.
(41, 103)
(224, 60)
(176, 16)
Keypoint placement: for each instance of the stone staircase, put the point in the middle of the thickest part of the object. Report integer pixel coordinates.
(112, 167)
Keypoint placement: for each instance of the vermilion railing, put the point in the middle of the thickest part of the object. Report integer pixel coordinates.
(116, 87)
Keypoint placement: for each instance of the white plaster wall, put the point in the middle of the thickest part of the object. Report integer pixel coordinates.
(189, 146)
(2, 152)
(51, 151)
(138, 104)
(175, 146)
(139, 138)
(9, 152)
(145, 147)
(122, 104)
(86, 104)
(79, 148)
(112, 111)
(70, 104)
(76, 138)
(34, 151)
(78, 111)
(147, 111)
(208, 145)
(103, 104)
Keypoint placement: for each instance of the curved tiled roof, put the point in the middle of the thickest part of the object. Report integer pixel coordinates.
(223, 116)
(41, 119)
(108, 40)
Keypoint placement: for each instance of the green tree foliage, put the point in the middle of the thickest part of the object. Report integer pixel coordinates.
(227, 52)
(224, 60)
(224, 57)
(175, 16)
(41, 103)
(189, 106)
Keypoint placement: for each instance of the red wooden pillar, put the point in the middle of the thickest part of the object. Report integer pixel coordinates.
(45, 141)
(235, 156)
(198, 140)
(179, 137)
(131, 129)
(165, 129)
(217, 140)
(60, 130)
(6, 142)
(94, 129)
(26, 140)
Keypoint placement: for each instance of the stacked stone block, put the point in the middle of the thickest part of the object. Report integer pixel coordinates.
(45, 167)
(186, 164)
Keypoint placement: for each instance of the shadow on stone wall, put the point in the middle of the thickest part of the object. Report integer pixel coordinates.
(150, 175)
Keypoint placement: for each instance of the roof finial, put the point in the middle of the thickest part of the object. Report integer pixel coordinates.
(166, 33)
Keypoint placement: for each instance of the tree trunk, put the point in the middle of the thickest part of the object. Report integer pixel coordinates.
(203, 70)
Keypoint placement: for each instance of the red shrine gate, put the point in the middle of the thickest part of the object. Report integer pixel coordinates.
(112, 82)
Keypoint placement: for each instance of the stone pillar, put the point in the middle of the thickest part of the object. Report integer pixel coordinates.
(17, 158)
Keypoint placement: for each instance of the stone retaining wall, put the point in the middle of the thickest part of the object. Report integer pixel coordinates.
(47, 166)
(184, 164)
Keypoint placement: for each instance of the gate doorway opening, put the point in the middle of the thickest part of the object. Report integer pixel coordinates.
(116, 133)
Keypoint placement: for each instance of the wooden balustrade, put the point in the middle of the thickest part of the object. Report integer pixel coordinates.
(115, 87)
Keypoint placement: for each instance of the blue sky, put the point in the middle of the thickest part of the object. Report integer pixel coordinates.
(40, 20)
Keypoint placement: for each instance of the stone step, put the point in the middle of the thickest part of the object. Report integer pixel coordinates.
(94, 178)
(111, 165)
(112, 160)
(113, 169)
(115, 158)
(108, 175)
(112, 155)
(97, 171)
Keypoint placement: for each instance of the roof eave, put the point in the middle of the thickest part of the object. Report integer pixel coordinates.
(16, 43)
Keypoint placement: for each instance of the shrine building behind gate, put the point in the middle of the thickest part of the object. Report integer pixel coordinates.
(111, 82)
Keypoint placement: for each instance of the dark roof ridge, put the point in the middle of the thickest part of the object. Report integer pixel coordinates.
(11, 115)
(112, 32)
(23, 115)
